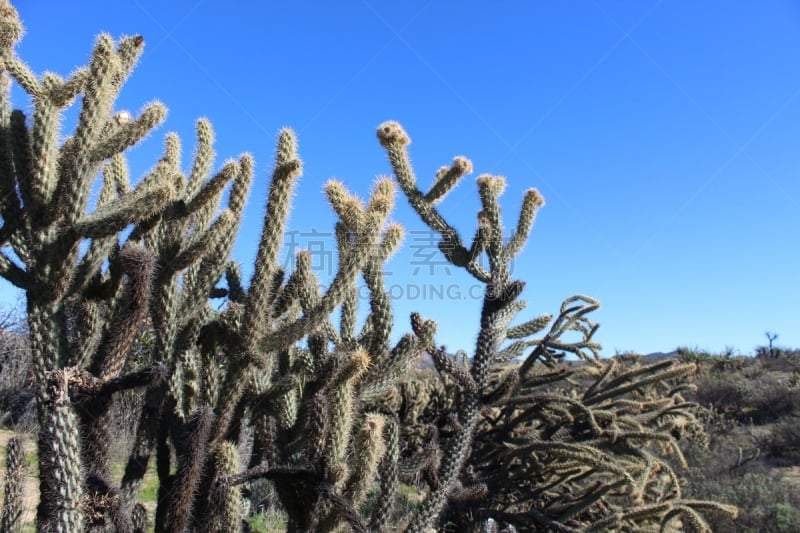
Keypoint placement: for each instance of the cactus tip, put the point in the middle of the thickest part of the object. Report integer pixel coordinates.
(391, 134)
(536, 197)
(462, 164)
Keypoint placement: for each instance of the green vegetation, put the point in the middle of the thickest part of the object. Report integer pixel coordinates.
(752, 419)
(268, 522)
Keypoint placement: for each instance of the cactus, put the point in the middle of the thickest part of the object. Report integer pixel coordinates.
(228, 515)
(566, 452)
(265, 388)
(12, 488)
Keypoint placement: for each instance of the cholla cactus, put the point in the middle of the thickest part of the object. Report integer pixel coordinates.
(12, 487)
(265, 387)
(513, 449)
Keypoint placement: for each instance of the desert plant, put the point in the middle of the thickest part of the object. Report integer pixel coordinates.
(765, 503)
(771, 338)
(86, 308)
(783, 441)
(737, 395)
(12, 488)
(264, 387)
(505, 449)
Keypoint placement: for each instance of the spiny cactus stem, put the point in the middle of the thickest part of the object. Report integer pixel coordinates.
(144, 443)
(12, 493)
(394, 139)
(227, 502)
(447, 178)
(38, 188)
(61, 455)
(189, 472)
(203, 156)
(287, 169)
(348, 269)
(14, 274)
(23, 75)
(97, 104)
(456, 452)
(453, 461)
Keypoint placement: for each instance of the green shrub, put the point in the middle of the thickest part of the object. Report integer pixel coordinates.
(745, 399)
(765, 504)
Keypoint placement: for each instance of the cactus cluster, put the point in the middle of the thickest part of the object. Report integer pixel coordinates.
(265, 386)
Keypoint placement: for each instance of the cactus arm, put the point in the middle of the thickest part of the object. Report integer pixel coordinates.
(128, 132)
(287, 169)
(13, 273)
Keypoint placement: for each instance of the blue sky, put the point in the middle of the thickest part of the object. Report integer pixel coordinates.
(664, 136)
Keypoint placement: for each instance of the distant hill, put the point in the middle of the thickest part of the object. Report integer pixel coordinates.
(658, 356)
(425, 361)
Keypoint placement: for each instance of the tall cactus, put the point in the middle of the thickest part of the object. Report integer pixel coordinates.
(45, 192)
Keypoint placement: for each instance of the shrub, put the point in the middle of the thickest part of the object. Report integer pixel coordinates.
(744, 398)
(783, 442)
(734, 466)
(765, 504)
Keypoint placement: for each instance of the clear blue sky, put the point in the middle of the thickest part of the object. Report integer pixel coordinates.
(664, 135)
